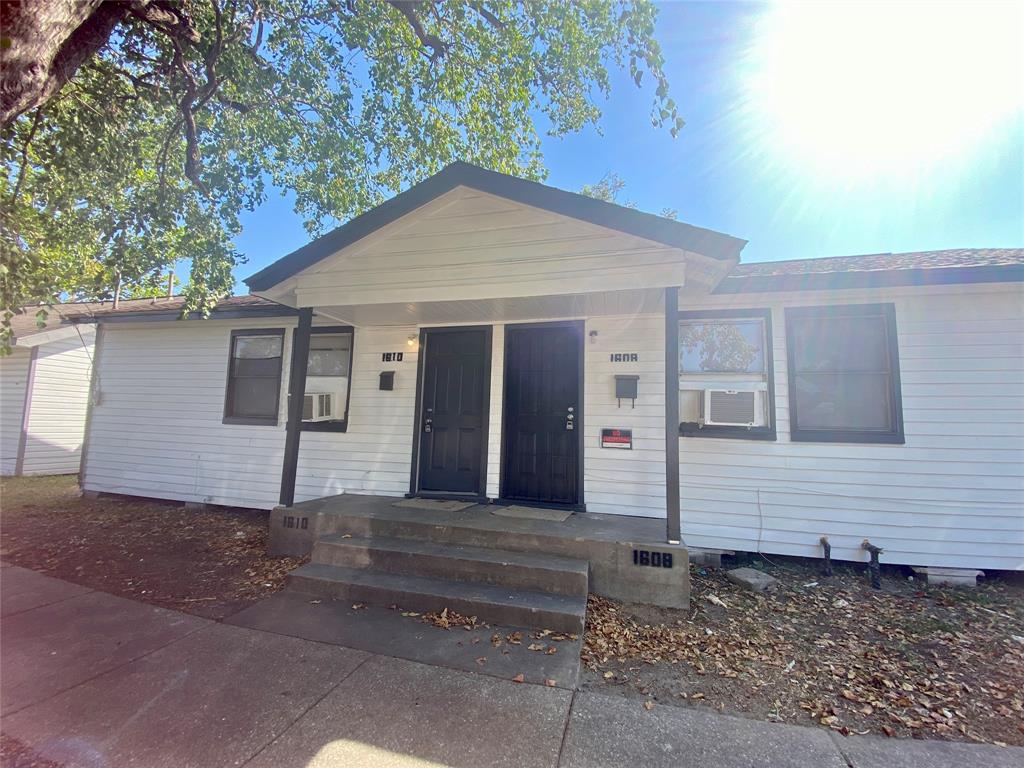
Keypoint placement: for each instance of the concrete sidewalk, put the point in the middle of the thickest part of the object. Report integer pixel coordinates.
(89, 679)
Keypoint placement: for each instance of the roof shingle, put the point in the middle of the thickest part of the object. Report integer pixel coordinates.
(954, 265)
(24, 322)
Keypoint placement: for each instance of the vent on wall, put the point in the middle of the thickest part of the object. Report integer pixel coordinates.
(730, 407)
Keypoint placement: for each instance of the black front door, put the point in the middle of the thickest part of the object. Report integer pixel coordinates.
(453, 410)
(543, 412)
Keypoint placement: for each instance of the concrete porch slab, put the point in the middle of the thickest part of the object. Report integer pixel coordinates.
(214, 698)
(628, 556)
(392, 713)
(580, 525)
(613, 732)
(57, 646)
(386, 632)
(22, 590)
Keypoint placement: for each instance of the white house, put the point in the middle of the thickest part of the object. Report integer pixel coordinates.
(44, 391)
(486, 338)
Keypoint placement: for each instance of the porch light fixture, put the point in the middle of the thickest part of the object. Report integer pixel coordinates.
(411, 341)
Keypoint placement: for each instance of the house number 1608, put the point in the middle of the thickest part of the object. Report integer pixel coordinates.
(653, 559)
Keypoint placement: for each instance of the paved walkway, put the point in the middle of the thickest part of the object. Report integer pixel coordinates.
(93, 680)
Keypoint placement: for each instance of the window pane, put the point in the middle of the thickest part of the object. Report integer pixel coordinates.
(840, 343)
(256, 367)
(721, 346)
(255, 398)
(329, 354)
(849, 401)
(257, 347)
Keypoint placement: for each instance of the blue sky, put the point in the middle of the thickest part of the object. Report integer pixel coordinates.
(740, 168)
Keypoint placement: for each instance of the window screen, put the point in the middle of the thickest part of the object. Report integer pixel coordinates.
(254, 377)
(725, 357)
(328, 377)
(844, 374)
(721, 346)
(329, 354)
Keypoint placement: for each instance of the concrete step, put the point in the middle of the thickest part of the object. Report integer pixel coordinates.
(526, 536)
(515, 570)
(490, 603)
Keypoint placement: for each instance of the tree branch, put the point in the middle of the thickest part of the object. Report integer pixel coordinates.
(408, 9)
(24, 154)
(167, 18)
(491, 19)
(45, 46)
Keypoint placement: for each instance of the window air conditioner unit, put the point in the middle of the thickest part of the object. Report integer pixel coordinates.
(318, 406)
(733, 408)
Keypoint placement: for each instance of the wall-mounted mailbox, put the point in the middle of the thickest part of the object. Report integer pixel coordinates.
(387, 381)
(625, 389)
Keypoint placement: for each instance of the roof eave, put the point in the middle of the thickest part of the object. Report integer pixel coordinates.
(894, 278)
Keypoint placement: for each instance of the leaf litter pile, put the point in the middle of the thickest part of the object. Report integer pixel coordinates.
(904, 661)
(211, 563)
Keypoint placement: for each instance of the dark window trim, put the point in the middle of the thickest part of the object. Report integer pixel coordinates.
(340, 425)
(693, 429)
(245, 420)
(895, 436)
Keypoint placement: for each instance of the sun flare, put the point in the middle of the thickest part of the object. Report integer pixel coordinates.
(871, 90)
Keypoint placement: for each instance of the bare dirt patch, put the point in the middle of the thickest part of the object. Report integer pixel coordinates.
(905, 660)
(210, 563)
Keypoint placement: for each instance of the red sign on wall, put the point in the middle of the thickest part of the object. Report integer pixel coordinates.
(617, 438)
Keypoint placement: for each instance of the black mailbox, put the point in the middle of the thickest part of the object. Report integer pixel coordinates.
(387, 381)
(625, 388)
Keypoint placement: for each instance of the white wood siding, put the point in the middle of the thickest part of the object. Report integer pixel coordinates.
(495, 415)
(472, 245)
(617, 481)
(60, 401)
(375, 455)
(157, 430)
(953, 495)
(13, 377)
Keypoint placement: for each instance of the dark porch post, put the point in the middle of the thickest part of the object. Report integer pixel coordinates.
(674, 524)
(296, 390)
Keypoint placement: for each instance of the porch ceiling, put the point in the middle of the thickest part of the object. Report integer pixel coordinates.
(502, 310)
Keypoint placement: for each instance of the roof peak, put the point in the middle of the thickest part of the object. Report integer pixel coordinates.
(462, 174)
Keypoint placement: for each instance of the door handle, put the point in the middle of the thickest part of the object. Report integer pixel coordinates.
(427, 424)
(570, 419)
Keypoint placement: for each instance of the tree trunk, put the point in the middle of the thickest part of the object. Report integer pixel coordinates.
(44, 42)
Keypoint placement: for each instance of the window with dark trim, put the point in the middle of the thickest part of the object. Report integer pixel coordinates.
(328, 379)
(726, 354)
(254, 377)
(844, 374)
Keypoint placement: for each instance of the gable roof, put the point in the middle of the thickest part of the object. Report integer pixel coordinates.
(955, 265)
(659, 229)
(24, 324)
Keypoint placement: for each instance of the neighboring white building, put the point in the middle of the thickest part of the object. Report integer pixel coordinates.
(44, 392)
(480, 337)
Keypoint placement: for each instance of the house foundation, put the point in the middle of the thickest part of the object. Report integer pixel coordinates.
(949, 577)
